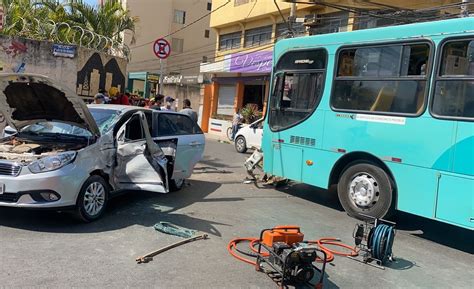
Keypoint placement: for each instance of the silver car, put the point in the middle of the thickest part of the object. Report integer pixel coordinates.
(65, 155)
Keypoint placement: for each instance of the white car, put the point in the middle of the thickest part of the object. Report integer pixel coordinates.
(65, 155)
(249, 136)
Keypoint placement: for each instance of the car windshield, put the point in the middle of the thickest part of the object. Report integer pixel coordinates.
(51, 127)
(105, 118)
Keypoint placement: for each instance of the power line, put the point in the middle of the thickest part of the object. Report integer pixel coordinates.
(185, 26)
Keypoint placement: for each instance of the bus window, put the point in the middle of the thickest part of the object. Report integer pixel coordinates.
(295, 99)
(298, 87)
(454, 90)
(389, 79)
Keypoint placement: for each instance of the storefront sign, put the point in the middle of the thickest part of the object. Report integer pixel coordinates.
(169, 79)
(183, 79)
(260, 61)
(64, 50)
(153, 77)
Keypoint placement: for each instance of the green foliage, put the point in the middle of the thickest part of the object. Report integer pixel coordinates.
(250, 113)
(68, 22)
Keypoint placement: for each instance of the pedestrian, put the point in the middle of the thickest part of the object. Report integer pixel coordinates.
(236, 121)
(188, 110)
(105, 94)
(117, 97)
(99, 98)
(169, 101)
(157, 101)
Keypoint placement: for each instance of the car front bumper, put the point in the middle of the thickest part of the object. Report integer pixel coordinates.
(24, 191)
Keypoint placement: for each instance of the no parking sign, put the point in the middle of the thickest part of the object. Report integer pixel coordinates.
(162, 48)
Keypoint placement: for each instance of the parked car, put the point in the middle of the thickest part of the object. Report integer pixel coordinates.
(249, 136)
(65, 155)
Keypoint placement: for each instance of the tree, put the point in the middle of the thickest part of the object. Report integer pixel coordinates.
(73, 22)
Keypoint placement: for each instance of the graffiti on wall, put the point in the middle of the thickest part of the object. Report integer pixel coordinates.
(99, 72)
(15, 56)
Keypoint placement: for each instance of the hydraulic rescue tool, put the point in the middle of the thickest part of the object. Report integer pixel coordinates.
(282, 253)
(374, 240)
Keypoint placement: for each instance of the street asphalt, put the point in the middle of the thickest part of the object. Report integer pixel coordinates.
(50, 249)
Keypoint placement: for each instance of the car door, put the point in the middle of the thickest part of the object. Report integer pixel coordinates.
(190, 141)
(255, 134)
(140, 163)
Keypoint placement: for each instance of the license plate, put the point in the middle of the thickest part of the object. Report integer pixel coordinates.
(2, 188)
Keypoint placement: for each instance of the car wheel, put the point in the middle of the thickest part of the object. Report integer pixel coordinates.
(92, 199)
(240, 144)
(176, 184)
(365, 188)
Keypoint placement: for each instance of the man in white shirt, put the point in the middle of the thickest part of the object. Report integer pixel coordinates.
(188, 110)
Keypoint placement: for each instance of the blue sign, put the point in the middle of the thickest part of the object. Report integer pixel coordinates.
(64, 50)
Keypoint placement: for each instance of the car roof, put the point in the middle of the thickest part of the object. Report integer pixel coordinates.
(126, 108)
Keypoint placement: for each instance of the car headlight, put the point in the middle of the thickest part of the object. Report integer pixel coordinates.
(52, 163)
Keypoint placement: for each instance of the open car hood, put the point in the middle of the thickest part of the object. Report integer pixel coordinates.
(27, 98)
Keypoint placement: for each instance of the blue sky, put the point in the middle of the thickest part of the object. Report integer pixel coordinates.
(92, 2)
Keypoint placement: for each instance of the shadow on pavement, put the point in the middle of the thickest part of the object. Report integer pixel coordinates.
(436, 231)
(317, 195)
(132, 208)
(216, 163)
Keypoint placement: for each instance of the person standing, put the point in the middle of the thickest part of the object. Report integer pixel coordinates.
(188, 110)
(169, 101)
(236, 121)
(157, 101)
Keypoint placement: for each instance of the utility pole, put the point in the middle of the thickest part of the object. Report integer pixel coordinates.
(292, 18)
(464, 8)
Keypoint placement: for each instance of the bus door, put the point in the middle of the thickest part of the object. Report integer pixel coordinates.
(454, 101)
(295, 126)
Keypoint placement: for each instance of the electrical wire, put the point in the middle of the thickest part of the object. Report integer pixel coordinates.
(185, 26)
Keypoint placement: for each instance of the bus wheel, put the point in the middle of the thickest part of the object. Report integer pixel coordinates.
(365, 188)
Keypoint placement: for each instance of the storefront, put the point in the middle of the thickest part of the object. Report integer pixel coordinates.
(142, 83)
(239, 80)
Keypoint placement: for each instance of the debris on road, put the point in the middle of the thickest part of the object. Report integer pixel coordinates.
(172, 229)
(149, 257)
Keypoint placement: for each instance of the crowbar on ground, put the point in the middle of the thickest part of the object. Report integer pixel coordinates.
(148, 257)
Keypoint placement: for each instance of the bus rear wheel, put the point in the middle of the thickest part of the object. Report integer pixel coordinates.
(365, 189)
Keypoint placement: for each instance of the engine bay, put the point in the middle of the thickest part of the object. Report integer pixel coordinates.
(25, 151)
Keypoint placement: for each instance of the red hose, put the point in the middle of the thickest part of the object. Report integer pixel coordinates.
(253, 242)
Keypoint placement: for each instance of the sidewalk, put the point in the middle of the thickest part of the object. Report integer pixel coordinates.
(221, 139)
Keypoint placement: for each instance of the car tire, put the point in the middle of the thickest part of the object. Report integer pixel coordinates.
(365, 188)
(240, 144)
(176, 185)
(92, 199)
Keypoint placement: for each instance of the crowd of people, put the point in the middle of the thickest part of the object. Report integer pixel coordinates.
(157, 101)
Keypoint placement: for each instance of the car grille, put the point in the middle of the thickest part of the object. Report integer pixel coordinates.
(9, 198)
(9, 169)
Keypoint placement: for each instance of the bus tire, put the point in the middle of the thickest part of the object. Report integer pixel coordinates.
(365, 188)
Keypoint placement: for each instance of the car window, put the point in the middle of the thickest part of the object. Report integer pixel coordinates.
(176, 124)
(134, 129)
(105, 118)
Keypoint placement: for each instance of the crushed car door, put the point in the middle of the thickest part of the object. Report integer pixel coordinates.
(191, 141)
(140, 163)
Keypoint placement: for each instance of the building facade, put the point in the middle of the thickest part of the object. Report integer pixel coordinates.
(246, 31)
(185, 25)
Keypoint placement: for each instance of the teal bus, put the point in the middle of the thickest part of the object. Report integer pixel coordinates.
(384, 115)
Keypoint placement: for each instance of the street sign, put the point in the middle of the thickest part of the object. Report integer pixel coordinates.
(161, 48)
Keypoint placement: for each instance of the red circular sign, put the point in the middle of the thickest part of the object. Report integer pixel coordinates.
(161, 48)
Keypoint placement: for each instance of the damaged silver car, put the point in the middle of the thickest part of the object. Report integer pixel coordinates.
(62, 156)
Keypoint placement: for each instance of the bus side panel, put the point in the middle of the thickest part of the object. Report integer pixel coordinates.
(416, 189)
(464, 155)
(317, 173)
(287, 161)
(456, 200)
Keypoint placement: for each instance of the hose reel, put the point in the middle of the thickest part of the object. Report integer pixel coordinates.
(374, 239)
